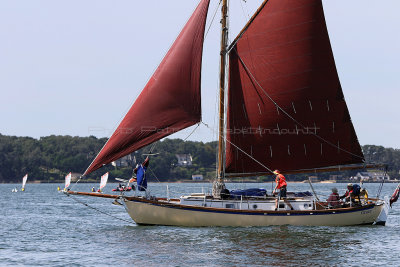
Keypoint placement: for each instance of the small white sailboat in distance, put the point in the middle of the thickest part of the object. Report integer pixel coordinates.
(67, 181)
(103, 182)
(24, 182)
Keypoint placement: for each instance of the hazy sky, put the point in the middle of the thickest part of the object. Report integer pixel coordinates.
(75, 67)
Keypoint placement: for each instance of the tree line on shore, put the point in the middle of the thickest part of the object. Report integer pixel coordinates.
(50, 158)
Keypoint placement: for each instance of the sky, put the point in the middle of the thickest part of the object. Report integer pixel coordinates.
(75, 67)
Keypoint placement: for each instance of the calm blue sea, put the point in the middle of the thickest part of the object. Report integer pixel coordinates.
(41, 227)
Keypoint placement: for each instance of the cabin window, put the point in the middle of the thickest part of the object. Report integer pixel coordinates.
(254, 206)
(229, 206)
(281, 206)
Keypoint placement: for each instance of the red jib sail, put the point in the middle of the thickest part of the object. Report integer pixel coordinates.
(171, 99)
(285, 102)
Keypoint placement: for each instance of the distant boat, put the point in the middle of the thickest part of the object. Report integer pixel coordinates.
(24, 182)
(282, 108)
(123, 188)
(103, 182)
(67, 181)
(14, 190)
(126, 186)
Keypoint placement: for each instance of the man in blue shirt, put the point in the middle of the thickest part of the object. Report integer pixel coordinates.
(140, 172)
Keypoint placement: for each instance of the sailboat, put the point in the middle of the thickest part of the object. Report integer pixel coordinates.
(281, 106)
(24, 182)
(67, 181)
(103, 182)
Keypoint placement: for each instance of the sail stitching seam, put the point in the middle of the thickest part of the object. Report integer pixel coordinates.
(287, 114)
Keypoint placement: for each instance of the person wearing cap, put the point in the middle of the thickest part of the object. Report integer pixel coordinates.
(346, 195)
(351, 193)
(334, 199)
(281, 184)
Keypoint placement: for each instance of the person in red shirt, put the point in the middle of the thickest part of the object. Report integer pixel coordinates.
(350, 194)
(281, 184)
(334, 199)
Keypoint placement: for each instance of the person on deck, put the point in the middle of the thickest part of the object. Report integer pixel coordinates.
(140, 172)
(281, 184)
(351, 193)
(334, 199)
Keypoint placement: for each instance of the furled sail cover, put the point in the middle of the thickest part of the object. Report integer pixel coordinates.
(171, 99)
(285, 53)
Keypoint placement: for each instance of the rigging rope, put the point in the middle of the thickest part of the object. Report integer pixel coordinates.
(98, 210)
(80, 178)
(381, 185)
(212, 20)
(198, 124)
(241, 150)
(154, 174)
(244, 13)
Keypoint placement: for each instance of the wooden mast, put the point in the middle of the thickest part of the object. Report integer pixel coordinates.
(221, 140)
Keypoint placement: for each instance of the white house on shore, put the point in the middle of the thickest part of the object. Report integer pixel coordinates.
(184, 159)
(124, 161)
(372, 176)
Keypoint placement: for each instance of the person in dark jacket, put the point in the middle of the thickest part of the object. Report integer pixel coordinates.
(140, 172)
(351, 193)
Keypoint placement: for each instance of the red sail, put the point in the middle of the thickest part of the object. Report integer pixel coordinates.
(171, 99)
(284, 56)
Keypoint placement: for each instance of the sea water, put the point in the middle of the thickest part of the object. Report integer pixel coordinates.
(42, 227)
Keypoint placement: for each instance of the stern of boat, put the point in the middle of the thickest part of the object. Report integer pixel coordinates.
(381, 220)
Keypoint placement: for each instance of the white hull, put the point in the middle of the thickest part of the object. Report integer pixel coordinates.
(163, 213)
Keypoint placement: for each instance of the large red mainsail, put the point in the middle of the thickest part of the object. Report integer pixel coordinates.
(285, 102)
(171, 99)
